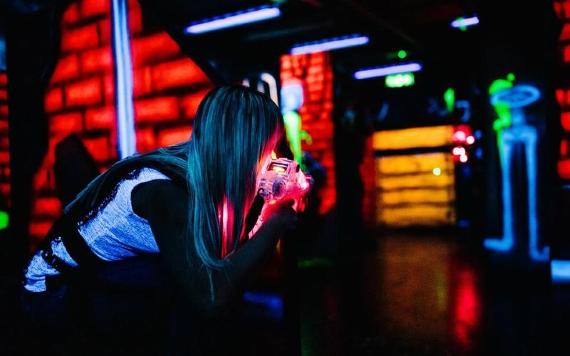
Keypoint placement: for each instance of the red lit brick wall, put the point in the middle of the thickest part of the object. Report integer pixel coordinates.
(80, 99)
(315, 72)
(4, 154)
(563, 92)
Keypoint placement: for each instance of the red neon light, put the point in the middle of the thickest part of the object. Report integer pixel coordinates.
(81, 38)
(4, 157)
(100, 59)
(146, 140)
(53, 100)
(46, 207)
(173, 136)
(64, 124)
(564, 148)
(71, 14)
(86, 92)
(142, 82)
(189, 103)
(39, 229)
(95, 7)
(564, 168)
(135, 19)
(3, 79)
(3, 110)
(467, 309)
(3, 95)
(179, 73)
(158, 109)
(100, 118)
(105, 31)
(99, 148)
(565, 120)
(153, 48)
(67, 68)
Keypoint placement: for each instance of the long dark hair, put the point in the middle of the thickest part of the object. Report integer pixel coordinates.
(235, 128)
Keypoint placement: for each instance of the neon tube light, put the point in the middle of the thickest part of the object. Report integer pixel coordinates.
(234, 19)
(384, 71)
(560, 271)
(465, 22)
(330, 44)
(123, 80)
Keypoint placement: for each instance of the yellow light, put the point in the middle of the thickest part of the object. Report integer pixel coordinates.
(413, 181)
(273, 155)
(408, 164)
(424, 215)
(416, 196)
(434, 136)
(436, 171)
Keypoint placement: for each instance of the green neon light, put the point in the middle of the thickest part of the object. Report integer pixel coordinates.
(295, 135)
(503, 111)
(402, 54)
(400, 80)
(449, 98)
(4, 220)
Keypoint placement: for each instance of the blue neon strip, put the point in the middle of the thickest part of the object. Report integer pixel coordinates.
(560, 271)
(384, 71)
(234, 19)
(330, 44)
(465, 22)
(123, 80)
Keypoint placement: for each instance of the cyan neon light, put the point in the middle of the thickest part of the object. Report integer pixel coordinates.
(330, 44)
(234, 19)
(514, 98)
(387, 70)
(123, 79)
(560, 271)
(400, 80)
(4, 220)
(463, 23)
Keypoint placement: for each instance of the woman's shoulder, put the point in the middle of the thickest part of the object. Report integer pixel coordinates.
(163, 195)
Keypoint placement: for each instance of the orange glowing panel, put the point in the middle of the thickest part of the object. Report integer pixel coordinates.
(189, 104)
(412, 164)
(80, 38)
(435, 136)
(153, 48)
(565, 120)
(66, 68)
(53, 100)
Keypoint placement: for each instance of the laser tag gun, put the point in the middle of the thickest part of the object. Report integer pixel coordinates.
(282, 179)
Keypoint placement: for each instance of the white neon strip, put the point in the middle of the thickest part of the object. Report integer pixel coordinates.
(560, 271)
(270, 80)
(330, 44)
(123, 80)
(384, 71)
(235, 19)
(470, 21)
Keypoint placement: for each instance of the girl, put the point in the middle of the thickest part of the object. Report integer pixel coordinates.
(188, 203)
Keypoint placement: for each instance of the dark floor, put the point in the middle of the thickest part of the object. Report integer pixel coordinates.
(405, 294)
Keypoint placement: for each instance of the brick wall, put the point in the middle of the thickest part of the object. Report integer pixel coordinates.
(563, 92)
(80, 99)
(315, 72)
(4, 154)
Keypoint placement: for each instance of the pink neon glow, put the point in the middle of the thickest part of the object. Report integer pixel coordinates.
(470, 140)
(459, 136)
(227, 223)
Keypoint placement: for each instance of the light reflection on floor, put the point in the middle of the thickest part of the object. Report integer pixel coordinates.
(421, 295)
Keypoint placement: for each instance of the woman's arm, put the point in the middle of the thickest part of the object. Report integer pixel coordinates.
(165, 206)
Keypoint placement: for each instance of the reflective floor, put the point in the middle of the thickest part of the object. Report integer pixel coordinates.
(430, 295)
(403, 294)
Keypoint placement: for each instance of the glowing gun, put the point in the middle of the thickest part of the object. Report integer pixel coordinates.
(282, 179)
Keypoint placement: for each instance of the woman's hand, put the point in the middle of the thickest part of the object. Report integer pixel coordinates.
(280, 213)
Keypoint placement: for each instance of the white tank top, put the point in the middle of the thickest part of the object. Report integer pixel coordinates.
(115, 233)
